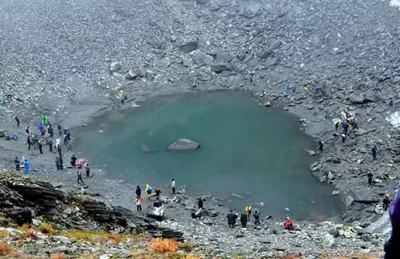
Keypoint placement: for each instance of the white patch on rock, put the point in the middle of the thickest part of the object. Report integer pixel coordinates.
(395, 3)
(394, 118)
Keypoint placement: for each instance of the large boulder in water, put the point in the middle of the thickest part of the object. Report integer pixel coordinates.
(183, 144)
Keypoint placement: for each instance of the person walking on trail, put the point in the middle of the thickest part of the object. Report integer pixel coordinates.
(50, 143)
(59, 130)
(138, 204)
(343, 137)
(17, 120)
(17, 164)
(243, 219)
(345, 127)
(138, 191)
(248, 211)
(44, 119)
(320, 145)
(87, 170)
(173, 186)
(66, 139)
(80, 180)
(369, 176)
(392, 246)
(231, 219)
(40, 147)
(59, 151)
(27, 166)
(386, 202)
(256, 216)
(373, 151)
(29, 141)
(28, 131)
(73, 160)
(200, 203)
(50, 130)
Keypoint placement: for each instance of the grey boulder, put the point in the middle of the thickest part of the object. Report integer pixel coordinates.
(183, 144)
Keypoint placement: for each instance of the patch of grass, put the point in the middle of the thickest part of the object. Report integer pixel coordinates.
(27, 232)
(15, 254)
(3, 233)
(45, 228)
(160, 245)
(80, 235)
(114, 238)
(4, 249)
(57, 256)
(187, 247)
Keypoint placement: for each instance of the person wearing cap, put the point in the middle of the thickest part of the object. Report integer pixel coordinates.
(248, 211)
(392, 246)
(289, 224)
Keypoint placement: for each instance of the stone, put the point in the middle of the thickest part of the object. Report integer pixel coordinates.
(150, 75)
(220, 68)
(396, 159)
(62, 239)
(183, 145)
(311, 152)
(115, 67)
(269, 50)
(60, 249)
(330, 176)
(2, 134)
(267, 104)
(328, 241)
(334, 193)
(132, 75)
(67, 211)
(362, 98)
(105, 256)
(334, 232)
(189, 47)
(360, 132)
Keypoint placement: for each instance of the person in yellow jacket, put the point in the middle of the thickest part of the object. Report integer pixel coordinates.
(248, 211)
(121, 96)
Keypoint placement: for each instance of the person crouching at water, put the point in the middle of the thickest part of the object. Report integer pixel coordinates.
(289, 224)
(231, 219)
(138, 204)
(392, 246)
(148, 190)
(243, 219)
(73, 160)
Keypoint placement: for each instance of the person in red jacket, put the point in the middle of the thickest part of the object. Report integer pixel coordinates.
(289, 224)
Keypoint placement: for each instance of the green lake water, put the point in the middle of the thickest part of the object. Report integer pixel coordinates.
(246, 149)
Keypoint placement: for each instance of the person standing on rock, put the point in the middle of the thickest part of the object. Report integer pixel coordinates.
(87, 170)
(29, 141)
(256, 216)
(138, 204)
(369, 176)
(320, 145)
(173, 186)
(40, 147)
(17, 120)
(50, 130)
(44, 119)
(345, 127)
(243, 219)
(28, 131)
(200, 203)
(80, 180)
(26, 166)
(386, 202)
(59, 151)
(158, 192)
(231, 219)
(138, 191)
(17, 164)
(248, 211)
(59, 130)
(50, 143)
(392, 246)
(373, 150)
(337, 125)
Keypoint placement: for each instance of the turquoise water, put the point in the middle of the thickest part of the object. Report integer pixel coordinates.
(246, 149)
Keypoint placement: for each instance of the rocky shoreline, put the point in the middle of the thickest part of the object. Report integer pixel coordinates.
(214, 45)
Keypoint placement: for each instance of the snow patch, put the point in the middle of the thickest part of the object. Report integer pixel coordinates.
(394, 118)
(395, 3)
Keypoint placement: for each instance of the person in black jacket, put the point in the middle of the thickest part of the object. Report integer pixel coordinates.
(138, 191)
(231, 219)
(200, 203)
(243, 220)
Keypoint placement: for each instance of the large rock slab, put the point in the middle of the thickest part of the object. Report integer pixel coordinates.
(183, 144)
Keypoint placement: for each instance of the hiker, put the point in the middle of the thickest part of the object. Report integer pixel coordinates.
(121, 96)
(58, 163)
(50, 143)
(43, 132)
(29, 141)
(44, 120)
(58, 141)
(138, 191)
(248, 211)
(40, 128)
(321, 145)
(138, 204)
(59, 129)
(243, 219)
(392, 246)
(87, 170)
(369, 176)
(61, 163)
(17, 164)
(40, 147)
(200, 203)
(73, 160)
(337, 125)
(386, 202)
(355, 124)
(289, 224)
(193, 213)
(26, 166)
(391, 102)
(173, 186)
(28, 131)
(17, 120)
(79, 174)
(50, 130)
(68, 134)
(231, 219)
(148, 190)
(326, 113)
(59, 150)
(157, 203)
(373, 150)
(345, 127)
(256, 216)
(66, 139)
(158, 191)
(343, 137)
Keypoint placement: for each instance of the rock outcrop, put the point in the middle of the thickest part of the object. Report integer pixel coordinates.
(183, 144)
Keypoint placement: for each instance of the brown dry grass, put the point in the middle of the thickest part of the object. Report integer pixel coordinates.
(3, 233)
(4, 249)
(57, 256)
(160, 245)
(80, 235)
(45, 228)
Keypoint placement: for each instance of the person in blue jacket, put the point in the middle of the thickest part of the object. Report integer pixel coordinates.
(26, 166)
